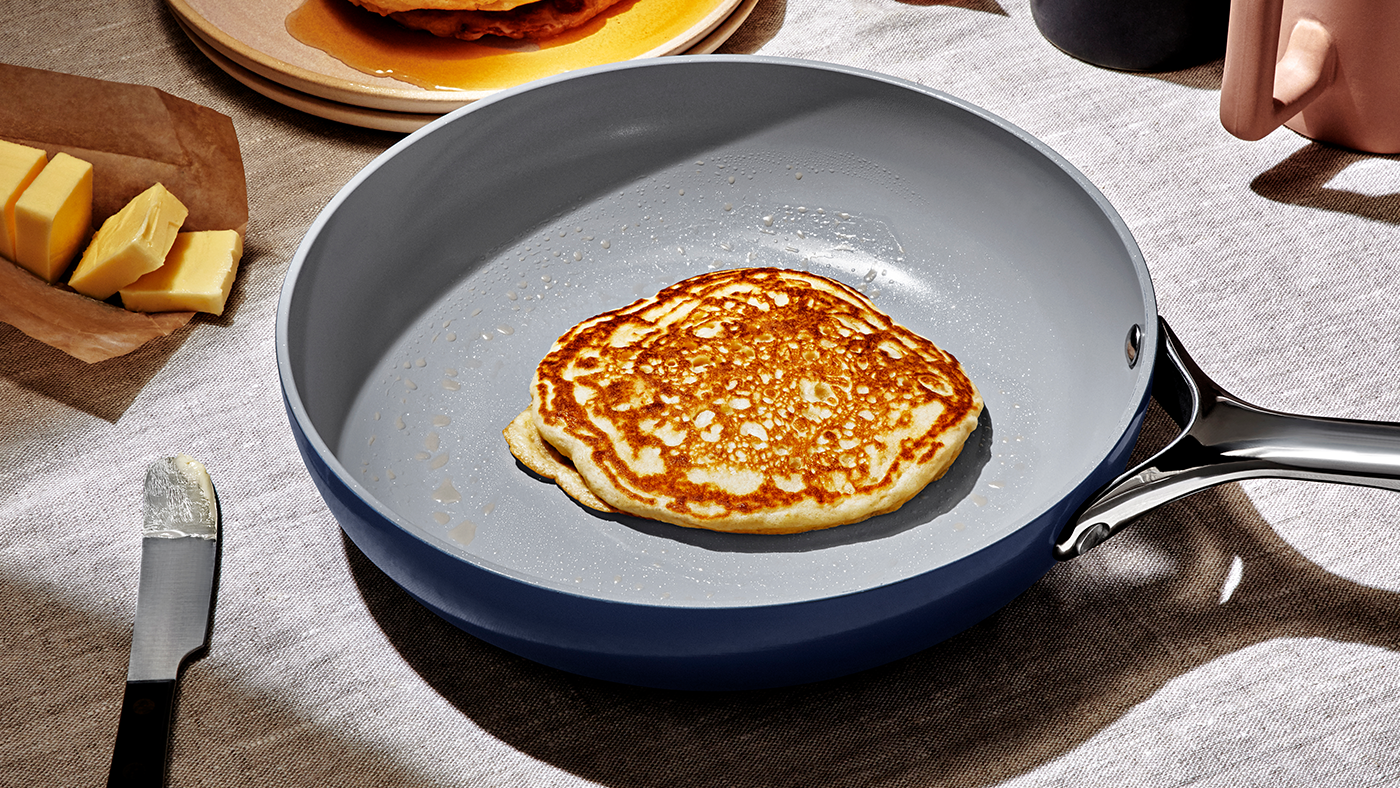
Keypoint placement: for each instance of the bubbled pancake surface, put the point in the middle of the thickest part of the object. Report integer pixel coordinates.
(755, 400)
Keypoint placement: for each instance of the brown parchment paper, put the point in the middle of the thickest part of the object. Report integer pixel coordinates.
(82, 327)
(134, 136)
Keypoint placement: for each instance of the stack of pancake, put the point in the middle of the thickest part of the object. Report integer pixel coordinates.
(755, 400)
(472, 19)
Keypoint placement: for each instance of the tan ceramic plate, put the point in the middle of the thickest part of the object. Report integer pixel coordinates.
(403, 72)
(386, 120)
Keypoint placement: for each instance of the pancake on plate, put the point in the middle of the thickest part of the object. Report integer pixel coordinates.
(472, 19)
(754, 400)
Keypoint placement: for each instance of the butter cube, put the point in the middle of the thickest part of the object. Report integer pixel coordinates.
(54, 216)
(196, 276)
(132, 242)
(19, 164)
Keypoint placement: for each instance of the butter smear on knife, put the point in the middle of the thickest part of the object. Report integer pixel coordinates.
(180, 500)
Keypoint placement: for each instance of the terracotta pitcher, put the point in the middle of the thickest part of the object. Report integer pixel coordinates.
(1328, 69)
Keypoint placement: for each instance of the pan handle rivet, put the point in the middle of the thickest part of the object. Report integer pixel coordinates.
(1133, 344)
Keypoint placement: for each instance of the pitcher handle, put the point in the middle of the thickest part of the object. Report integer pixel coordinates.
(1257, 94)
(1226, 439)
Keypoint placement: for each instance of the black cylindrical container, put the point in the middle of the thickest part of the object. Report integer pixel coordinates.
(1136, 35)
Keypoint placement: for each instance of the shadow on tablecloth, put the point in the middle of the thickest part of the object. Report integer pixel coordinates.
(105, 389)
(1080, 649)
(1304, 178)
(985, 6)
(108, 388)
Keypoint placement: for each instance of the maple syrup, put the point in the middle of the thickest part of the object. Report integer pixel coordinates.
(380, 47)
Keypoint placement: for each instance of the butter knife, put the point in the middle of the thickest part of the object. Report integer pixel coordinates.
(174, 606)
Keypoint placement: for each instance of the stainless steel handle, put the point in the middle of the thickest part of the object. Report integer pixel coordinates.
(1226, 439)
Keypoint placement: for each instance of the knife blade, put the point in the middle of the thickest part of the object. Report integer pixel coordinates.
(174, 612)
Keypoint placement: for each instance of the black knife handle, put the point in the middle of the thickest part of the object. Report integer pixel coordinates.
(143, 734)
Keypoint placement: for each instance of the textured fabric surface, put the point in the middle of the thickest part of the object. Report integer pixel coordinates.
(1249, 635)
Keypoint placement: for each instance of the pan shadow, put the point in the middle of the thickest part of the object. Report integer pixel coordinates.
(1302, 178)
(1093, 639)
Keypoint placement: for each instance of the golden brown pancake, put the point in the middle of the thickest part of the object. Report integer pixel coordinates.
(754, 400)
(540, 19)
(528, 447)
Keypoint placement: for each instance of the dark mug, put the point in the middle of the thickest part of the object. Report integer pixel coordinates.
(1136, 35)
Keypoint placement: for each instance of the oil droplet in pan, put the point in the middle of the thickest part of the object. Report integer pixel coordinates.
(464, 533)
(446, 493)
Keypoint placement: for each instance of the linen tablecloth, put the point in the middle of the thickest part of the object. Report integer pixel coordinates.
(1249, 635)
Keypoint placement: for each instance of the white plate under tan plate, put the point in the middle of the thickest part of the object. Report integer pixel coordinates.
(387, 120)
(404, 122)
(255, 35)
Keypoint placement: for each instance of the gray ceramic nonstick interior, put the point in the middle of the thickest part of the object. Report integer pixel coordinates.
(426, 293)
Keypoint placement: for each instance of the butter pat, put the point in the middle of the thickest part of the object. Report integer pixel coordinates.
(132, 242)
(19, 164)
(53, 217)
(196, 276)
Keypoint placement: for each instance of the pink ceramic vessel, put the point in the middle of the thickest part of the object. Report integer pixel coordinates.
(1328, 69)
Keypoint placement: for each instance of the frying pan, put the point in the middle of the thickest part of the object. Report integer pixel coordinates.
(425, 293)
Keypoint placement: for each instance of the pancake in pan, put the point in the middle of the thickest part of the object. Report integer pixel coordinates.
(754, 400)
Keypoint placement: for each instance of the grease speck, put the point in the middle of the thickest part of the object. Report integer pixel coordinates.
(446, 493)
(464, 533)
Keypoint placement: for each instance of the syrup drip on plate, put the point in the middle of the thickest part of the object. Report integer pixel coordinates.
(374, 45)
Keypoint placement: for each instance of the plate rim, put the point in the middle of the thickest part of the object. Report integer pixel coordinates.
(351, 114)
(407, 98)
